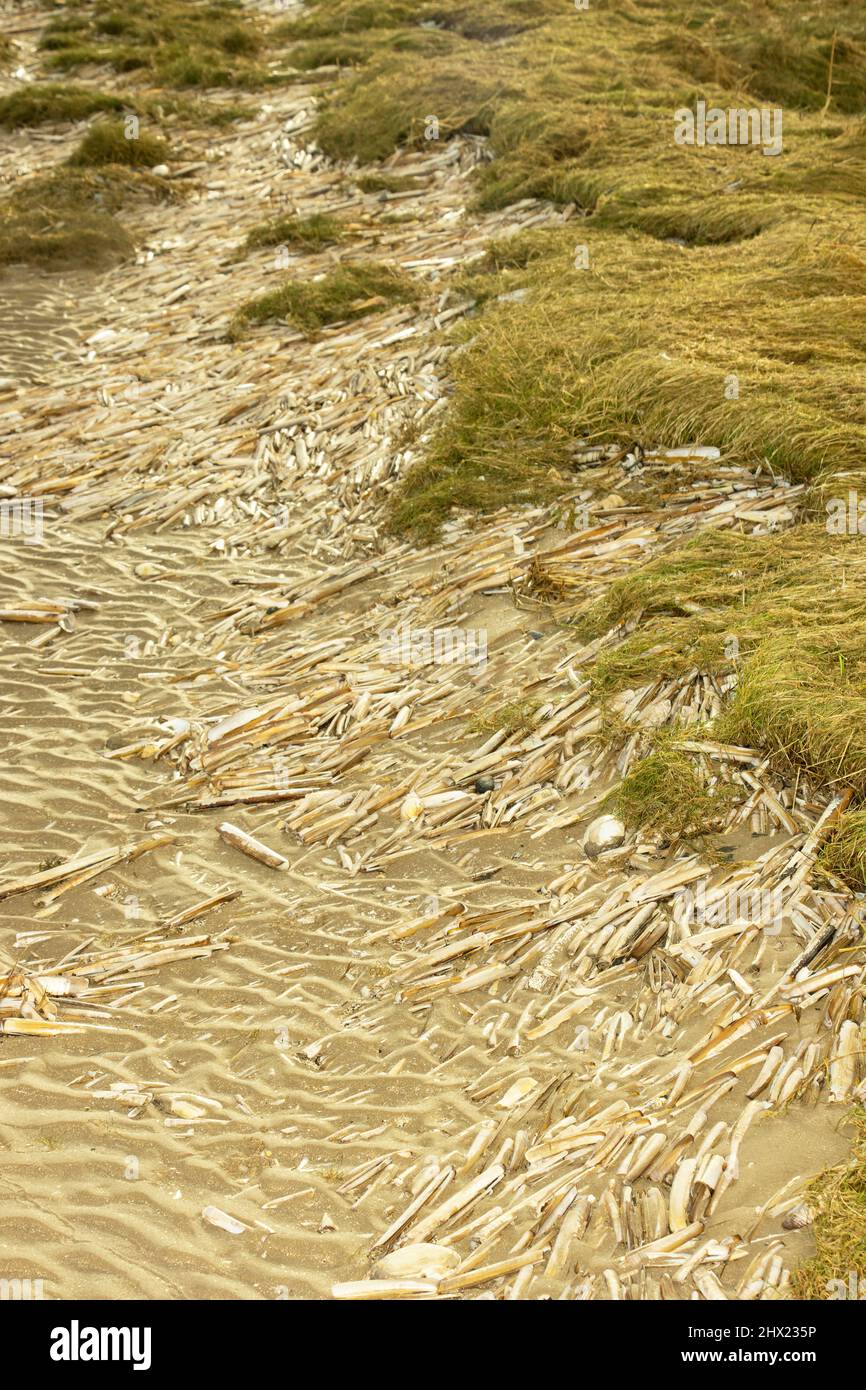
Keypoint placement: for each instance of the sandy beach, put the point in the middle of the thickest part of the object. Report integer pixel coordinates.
(440, 1020)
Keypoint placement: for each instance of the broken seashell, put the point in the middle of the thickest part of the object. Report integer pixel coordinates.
(605, 832)
(798, 1217)
(423, 1261)
(412, 807)
(187, 1111)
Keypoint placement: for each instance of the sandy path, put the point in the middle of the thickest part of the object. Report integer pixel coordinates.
(239, 1034)
(303, 1053)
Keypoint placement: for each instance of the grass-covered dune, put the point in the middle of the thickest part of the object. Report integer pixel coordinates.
(717, 292)
(177, 43)
(711, 293)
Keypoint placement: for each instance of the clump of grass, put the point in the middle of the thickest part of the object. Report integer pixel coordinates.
(787, 613)
(838, 1198)
(493, 19)
(795, 700)
(346, 293)
(327, 17)
(44, 102)
(514, 717)
(342, 51)
(389, 183)
(201, 43)
(845, 853)
(107, 143)
(363, 121)
(40, 103)
(665, 794)
(516, 252)
(305, 233)
(62, 237)
(66, 219)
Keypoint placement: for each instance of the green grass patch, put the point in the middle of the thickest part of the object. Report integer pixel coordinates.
(344, 294)
(107, 143)
(845, 853)
(492, 19)
(363, 121)
(665, 794)
(67, 219)
(557, 80)
(202, 43)
(304, 233)
(759, 353)
(41, 102)
(788, 614)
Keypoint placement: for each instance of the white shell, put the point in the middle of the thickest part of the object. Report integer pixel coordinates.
(656, 714)
(417, 1262)
(515, 1094)
(412, 807)
(799, 1216)
(186, 1111)
(216, 1217)
(606, 832)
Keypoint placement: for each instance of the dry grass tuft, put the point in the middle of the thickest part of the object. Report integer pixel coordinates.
(838, 1197)
(106, 143)
(845, 854)
(514, 717)
(344, 294)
